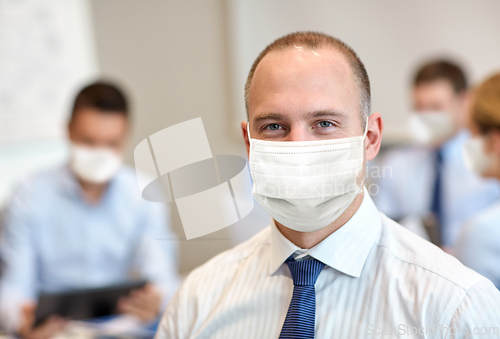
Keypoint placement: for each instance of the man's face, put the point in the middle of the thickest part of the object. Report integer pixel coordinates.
(306, 95)
(301, 94)
(439, 95)
(96, 129)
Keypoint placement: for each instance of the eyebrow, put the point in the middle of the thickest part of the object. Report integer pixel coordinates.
(326, 113)
(314, 114)
(270, 116)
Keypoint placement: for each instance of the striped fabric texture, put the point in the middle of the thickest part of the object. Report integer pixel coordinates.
(379, 281)
(299, 321)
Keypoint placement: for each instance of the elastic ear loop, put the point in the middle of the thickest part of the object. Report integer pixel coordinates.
(366, 128)
(248, 132)
(364, 136)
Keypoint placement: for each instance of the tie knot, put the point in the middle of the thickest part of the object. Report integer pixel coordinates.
(304, 272)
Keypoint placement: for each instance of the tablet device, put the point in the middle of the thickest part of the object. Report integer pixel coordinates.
(83, 304)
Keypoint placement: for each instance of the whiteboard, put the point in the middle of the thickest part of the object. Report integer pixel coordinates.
(46, 55)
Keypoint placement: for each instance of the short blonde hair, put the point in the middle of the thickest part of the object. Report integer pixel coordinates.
(485, 107)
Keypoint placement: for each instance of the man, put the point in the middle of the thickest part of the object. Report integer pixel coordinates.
(345, 271)
(85, 225)
(429, 182)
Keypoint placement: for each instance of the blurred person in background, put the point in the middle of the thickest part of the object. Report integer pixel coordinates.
(479, 243)
(429, 186)
(85, 224)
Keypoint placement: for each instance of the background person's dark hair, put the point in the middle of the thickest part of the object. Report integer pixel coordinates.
(442, 70)
(103, 96)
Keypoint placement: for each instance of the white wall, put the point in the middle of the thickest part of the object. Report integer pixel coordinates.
(392, 37)
(46, 53)
(187, 59)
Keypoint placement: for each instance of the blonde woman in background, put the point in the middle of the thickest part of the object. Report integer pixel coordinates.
(479, 244)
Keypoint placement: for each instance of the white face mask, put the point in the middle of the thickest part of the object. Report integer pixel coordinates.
(306, 185)
(475, 158)
(431, 128)
(96, 165)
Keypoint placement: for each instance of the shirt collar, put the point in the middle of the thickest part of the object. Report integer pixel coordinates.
(455, 142)
(345, 250)
(72, 186)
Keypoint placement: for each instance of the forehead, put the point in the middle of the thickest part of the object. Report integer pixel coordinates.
(435, 88)
(303, 78)
(93, 121)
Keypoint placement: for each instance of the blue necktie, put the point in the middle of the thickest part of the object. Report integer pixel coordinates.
(436, 207)
(299, 321)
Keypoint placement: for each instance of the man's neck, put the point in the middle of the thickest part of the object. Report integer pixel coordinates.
(92, 192)
(310, 239)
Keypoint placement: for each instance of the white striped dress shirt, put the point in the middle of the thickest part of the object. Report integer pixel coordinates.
(380, 281)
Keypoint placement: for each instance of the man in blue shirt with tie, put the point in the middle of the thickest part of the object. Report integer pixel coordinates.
(85, 224)
(428, 183)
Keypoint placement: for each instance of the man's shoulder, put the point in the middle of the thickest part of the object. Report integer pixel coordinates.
(425, 257)
(127, 179)
(482, 230)
(440, 284)
(228, 263)
(485, 221)
(37, 184)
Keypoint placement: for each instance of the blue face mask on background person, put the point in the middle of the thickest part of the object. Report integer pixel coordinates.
(306, 185)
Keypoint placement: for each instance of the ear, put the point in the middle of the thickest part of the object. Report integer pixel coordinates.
(495, 142)
(244, 127)
(373, 136)
(70, 130)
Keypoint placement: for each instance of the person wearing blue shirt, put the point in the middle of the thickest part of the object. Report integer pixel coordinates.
(85, 224)
(428, 181)
(478, 245)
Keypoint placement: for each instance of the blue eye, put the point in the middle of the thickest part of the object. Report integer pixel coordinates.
(273, 127)
(325, 124)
